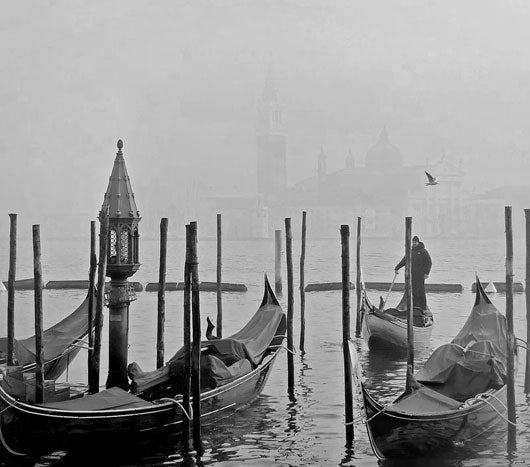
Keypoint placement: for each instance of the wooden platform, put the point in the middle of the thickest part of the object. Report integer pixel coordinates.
(326, 286)
(384, 286)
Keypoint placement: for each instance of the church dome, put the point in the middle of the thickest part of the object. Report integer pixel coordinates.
(383, 154)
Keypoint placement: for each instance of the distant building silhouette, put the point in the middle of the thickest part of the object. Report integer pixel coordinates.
(382, 192)
(271, 143)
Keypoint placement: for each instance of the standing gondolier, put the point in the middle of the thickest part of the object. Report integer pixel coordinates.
(421, 267)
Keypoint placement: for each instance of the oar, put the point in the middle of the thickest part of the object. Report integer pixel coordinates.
(382, 305)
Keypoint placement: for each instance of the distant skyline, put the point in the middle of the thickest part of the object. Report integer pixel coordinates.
(179, 83)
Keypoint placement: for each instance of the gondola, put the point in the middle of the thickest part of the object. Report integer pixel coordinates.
(61, 344)
(459, 394)
(117, 418)
(387, 329)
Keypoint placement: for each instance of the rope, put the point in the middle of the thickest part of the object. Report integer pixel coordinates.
(482, 397)
(293, 351)
(8, 407)
(189, 416)
(354, 421)
(2, 439)
(7, 448)
(465, 349)
(479, 398)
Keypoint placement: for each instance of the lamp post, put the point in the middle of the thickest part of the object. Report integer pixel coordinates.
(122, 262)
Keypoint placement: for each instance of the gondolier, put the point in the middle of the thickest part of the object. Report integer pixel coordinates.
(421, 267)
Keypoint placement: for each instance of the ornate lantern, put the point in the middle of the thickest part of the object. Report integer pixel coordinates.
(122, 262)
(119, 203)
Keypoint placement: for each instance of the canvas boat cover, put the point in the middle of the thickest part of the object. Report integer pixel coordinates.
(55, 340)
(474, 362)
(110, 399)
(223, 360)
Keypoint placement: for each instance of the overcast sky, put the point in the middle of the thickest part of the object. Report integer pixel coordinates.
(179, 82)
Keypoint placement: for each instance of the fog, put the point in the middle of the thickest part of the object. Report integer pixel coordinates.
(179, 82)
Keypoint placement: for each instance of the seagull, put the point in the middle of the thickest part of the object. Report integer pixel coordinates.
(432, 180)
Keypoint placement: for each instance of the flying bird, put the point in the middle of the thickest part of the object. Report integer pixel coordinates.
(432, 180)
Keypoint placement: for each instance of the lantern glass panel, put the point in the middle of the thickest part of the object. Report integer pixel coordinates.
(135, 246)
(124, 246)
(113, 246)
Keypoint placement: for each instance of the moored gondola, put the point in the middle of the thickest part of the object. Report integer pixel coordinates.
(118, 418)
(458, 396)
(387, 329)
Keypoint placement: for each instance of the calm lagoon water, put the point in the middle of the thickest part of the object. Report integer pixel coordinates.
(274, 430)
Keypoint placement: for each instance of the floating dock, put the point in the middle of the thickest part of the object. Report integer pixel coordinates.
(384, 286)
(518, 287)
(326, 286)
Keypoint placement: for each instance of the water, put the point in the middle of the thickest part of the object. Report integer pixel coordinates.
(274, 430)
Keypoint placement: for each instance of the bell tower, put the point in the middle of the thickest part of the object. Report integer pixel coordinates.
(272, 143)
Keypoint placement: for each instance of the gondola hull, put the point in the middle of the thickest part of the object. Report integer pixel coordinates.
(390, 333)
(28, 429)
(397, 434)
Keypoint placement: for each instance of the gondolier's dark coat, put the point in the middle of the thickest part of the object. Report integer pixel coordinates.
(421, 265)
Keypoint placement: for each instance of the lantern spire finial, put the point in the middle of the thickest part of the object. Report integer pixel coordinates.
(120, 145)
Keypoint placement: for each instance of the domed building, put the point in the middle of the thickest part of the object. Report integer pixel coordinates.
(382, 192)
(383, 155)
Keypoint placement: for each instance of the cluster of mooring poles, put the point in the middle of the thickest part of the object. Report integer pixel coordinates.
(118, 259)
(290, 290)
(511, 344)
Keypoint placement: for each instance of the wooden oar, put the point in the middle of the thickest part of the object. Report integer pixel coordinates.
(382, 304)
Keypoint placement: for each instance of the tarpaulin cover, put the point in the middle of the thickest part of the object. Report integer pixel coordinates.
(113, 398)
(223, 360)
(221, 374)
(424, 401)
(55, 340)
(475, 360)
(252, 340)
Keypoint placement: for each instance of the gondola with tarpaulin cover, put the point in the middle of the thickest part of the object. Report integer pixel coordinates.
(459, 394)
(235, 370)
(61, 344)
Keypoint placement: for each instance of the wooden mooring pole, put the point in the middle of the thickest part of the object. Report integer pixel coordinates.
(93, 374)
(278, 262)
(290, 307)
(302, 284)
(161, 295)
(219, 279)
(410, 306)
(39, 353)
(196, 345)
(527, 292)
(91, 286)
(510, 341)
(11, 289)
(358, 281)
(187, 345)
(348, 380)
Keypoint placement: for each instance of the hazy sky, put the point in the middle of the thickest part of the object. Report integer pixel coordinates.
(179, 82)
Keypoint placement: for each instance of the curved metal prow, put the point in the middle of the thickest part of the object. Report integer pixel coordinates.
(268, 295)
(479, 292)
